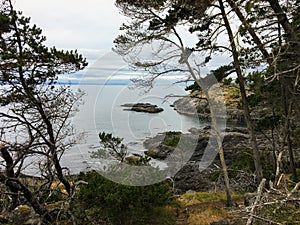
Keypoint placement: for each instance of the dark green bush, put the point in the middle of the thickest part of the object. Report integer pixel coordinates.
(227, 81)
(102, 201)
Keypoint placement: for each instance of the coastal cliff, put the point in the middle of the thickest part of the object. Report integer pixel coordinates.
(196, 104)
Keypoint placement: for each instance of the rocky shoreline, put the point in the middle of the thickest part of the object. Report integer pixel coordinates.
(189, 177)
(196, 104)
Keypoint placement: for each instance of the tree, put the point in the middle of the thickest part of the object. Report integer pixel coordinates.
(112, 147)
(35, 112)
(155, 24)
(279, 49)
(241, 81)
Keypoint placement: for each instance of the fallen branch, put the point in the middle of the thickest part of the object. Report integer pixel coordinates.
(265, 220)
(257, 200)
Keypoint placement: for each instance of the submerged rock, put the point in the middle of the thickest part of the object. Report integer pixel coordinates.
(142, 107)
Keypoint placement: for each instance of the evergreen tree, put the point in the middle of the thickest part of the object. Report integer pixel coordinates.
(35, 112)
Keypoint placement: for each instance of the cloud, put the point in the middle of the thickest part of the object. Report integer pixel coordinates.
(89, 24)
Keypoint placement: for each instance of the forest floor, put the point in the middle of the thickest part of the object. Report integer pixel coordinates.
(209, 208)
(204, 208)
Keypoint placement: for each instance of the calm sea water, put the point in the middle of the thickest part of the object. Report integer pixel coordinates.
(102, 111)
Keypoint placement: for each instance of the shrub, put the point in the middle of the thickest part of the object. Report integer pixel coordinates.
(172, 138)
(227, 81)
(105, 202)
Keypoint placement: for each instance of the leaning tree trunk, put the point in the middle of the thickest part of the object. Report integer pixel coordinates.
(291, 38)
(218, 136)
(250, 126)
(16, 186)
(214, 123)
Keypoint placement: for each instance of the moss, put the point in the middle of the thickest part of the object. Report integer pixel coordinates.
(24, 210)
(172, 138)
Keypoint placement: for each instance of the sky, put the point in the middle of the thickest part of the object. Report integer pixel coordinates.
(90, 26)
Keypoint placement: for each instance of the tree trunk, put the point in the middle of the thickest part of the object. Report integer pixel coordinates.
(250, 126)
(287, 106)
(218, 137)
(251, 31)
(9, 170)
(283, 20)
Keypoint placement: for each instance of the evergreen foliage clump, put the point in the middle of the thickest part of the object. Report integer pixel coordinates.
(103, 201)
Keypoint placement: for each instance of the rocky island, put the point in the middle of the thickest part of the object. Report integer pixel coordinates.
(142, 107)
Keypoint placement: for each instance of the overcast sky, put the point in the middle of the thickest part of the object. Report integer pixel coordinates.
(89, 26)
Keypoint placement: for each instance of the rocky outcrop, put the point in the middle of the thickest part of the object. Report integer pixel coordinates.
(142, 107)
(196, 104)
(190, 177)
(160, 146)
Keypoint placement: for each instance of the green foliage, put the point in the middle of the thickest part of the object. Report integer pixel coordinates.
(227, 81)
(254, 99)
(102, 201)
(222, 72)
(193, 87)
(112, 145)
(245, 162)
(172, 138)
(267, 122)
(256, 81)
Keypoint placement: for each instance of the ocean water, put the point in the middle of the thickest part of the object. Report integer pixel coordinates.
(102, 111)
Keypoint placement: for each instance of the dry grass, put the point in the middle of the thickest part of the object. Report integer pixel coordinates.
(202, 208)
(206, 217)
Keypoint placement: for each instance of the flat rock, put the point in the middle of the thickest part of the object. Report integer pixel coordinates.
(142, 107)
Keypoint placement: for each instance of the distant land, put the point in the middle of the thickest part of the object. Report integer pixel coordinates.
(94, 82)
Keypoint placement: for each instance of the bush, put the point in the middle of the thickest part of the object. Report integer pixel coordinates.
(227, 81)
(172, 138)
(105, 202)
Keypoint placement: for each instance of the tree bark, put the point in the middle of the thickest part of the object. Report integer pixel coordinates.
(218, 137)
(250, 126)
(283, 20)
